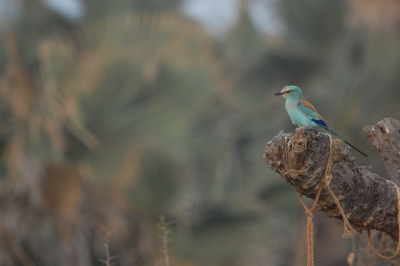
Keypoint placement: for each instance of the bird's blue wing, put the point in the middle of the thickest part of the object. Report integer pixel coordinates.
(309, 111)
(320, 123)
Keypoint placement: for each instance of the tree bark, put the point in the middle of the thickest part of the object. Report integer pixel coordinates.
(368, 200)
(385, 137)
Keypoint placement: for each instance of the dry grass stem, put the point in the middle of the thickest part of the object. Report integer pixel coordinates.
(109, 258)
(163, 226)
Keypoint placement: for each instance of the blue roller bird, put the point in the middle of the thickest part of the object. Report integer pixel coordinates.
(304, 114)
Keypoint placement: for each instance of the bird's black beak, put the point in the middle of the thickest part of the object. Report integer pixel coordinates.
(279, 93)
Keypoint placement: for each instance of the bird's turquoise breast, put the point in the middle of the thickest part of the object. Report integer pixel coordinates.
(298, 118)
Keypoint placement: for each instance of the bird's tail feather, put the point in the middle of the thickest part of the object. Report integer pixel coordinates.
(356, 149)
(340, 137)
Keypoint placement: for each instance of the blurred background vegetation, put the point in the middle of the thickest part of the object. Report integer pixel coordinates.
(116, 112)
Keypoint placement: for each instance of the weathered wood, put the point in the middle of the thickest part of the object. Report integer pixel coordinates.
(367, 199)
(385, 137)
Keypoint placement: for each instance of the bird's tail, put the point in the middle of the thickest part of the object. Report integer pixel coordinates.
(340, 137)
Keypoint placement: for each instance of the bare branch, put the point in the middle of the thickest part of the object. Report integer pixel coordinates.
(386, 139)
(368, 200)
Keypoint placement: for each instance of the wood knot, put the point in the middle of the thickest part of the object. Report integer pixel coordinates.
(292, 174)
(297, 150)
(298, 143)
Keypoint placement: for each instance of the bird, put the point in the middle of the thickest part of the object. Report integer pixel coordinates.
(304, 114)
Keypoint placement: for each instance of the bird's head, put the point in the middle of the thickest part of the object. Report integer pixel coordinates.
(291, 93)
